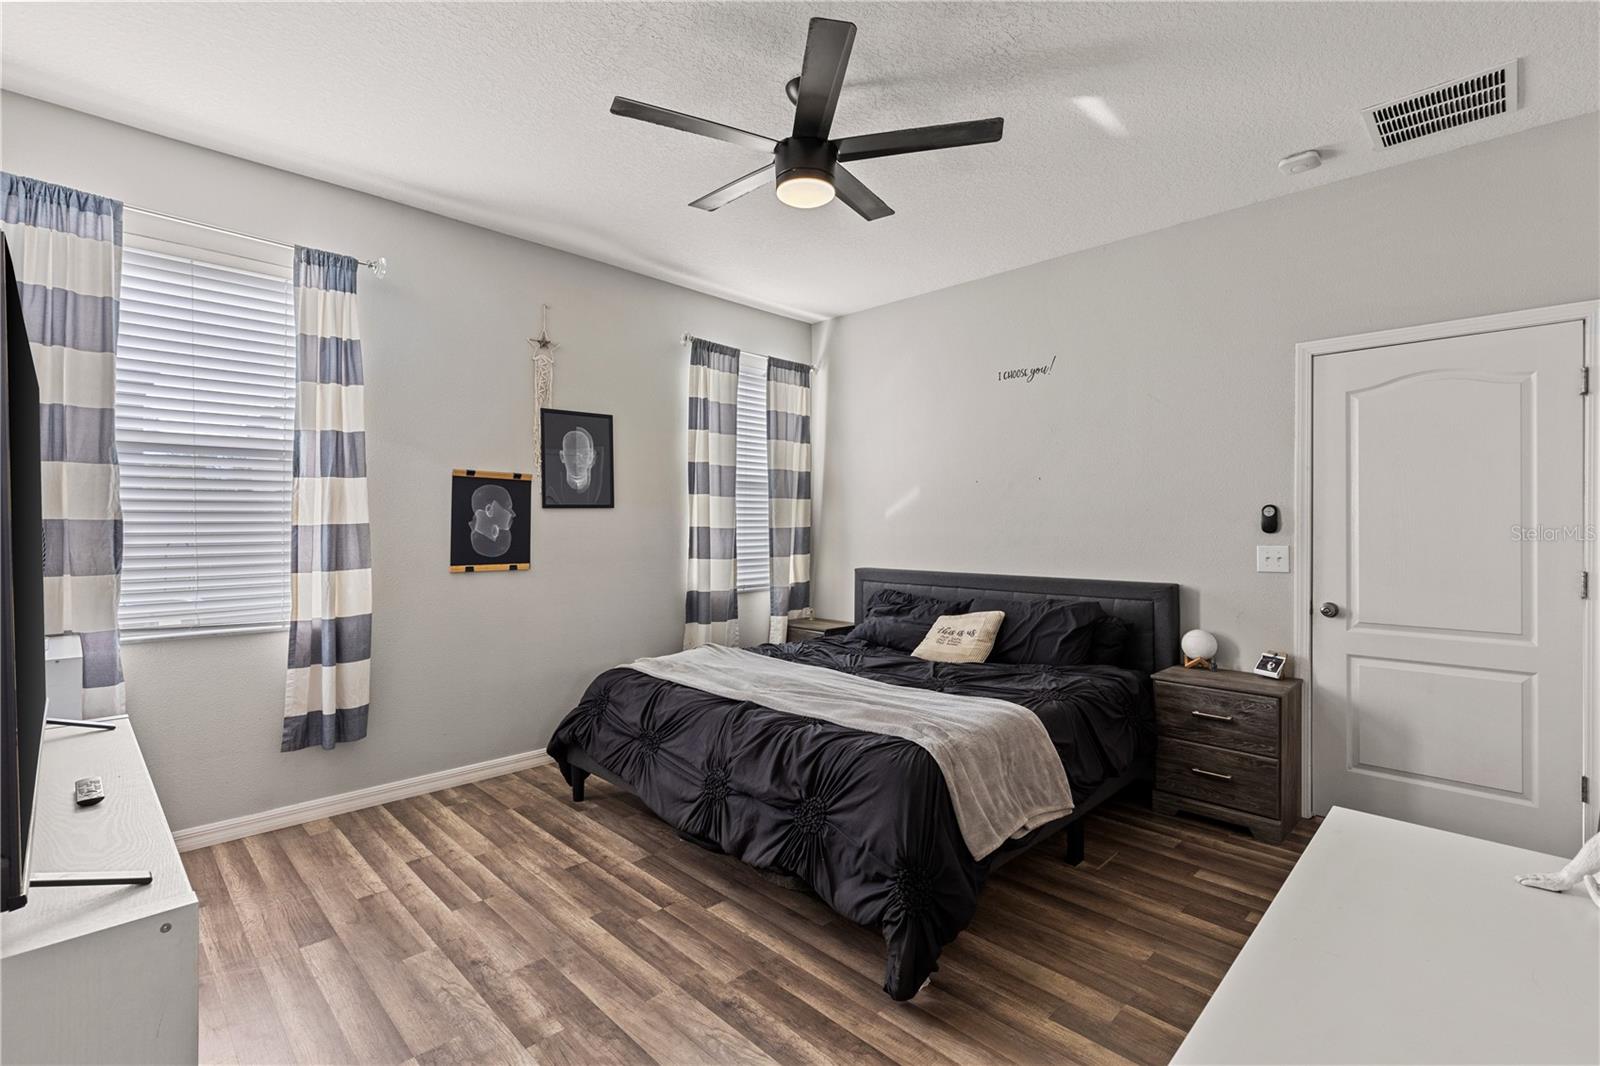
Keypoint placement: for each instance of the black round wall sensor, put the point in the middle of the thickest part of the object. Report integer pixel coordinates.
(1269, 518)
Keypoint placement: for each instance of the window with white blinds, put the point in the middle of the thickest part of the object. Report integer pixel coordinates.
(750, 484)
(205, 439)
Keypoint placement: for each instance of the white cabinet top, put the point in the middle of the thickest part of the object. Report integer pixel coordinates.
(1396, 943)
(125, 831)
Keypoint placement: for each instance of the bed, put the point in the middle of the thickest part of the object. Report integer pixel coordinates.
(863, 819)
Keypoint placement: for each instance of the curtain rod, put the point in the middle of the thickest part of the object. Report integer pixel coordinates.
(687, 337)
(378, 266)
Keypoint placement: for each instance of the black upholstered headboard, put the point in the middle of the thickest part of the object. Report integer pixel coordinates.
(1150, 607)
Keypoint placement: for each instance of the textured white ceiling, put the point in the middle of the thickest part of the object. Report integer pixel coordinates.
(496, 114)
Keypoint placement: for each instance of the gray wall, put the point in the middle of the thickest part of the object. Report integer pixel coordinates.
(1168, 419)
(465, 668)
(1166, 423)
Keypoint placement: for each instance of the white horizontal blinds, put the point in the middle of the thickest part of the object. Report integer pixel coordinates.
(205, 435)
(750, 484)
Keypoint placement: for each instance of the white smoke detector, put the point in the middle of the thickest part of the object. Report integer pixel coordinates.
(1300, 162)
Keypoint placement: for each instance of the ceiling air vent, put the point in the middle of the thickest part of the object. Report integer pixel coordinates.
(1443, 107)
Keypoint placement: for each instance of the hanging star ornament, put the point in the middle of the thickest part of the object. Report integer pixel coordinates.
(544, 375)
(543, 345)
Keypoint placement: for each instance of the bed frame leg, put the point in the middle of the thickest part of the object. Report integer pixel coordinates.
(578, 778)
(1075, 843)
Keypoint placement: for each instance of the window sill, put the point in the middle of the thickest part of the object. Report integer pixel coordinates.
(149, 636)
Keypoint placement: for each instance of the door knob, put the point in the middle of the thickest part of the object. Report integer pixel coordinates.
(1330, 610)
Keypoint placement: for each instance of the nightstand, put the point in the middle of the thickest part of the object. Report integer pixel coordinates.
(812, 628)
(1229, 748)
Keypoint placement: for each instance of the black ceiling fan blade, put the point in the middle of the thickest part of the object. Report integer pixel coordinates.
(921, 139)
(690, 124)
(734, 189)
(862, 200)
(822, 76)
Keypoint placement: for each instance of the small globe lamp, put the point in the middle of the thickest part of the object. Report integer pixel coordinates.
(1199, 650)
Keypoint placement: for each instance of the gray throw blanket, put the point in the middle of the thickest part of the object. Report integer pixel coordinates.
(1004, 775)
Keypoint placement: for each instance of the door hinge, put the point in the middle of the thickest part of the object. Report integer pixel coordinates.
(1583, 585)
(1585, 790)
(1583, 382)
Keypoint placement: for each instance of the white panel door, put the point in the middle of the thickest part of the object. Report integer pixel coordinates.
(1447, 547)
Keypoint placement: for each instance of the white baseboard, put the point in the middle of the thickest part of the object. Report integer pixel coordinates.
(202, 836)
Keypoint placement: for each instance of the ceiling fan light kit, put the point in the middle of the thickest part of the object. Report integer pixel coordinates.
(805, 170)
(805, 165)
(805, 191)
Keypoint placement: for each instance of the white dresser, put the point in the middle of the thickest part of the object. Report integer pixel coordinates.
(1395, 943)
(100, 974)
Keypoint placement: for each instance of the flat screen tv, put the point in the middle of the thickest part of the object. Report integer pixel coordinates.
(22, 592)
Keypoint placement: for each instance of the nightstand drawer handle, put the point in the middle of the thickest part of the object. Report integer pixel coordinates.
(1213, 717)
(1210, 773)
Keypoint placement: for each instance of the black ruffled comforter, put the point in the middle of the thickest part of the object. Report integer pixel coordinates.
(864, 819)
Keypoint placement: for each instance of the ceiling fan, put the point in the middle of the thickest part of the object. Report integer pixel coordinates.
(805, 164)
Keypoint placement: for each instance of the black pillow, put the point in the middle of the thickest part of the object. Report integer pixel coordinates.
(900, 620)
(1046, 632)
(1110, 640)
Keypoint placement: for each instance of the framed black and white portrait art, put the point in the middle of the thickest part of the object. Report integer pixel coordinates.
(579, 468)
(490, 513)
(1271, 664)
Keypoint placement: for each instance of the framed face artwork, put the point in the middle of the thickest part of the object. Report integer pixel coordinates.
(579, 468)
(490, 514)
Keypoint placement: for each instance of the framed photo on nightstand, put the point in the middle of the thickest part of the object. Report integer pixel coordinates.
(1271, 664)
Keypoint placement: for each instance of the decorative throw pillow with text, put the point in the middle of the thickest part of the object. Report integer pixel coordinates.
(961, 638)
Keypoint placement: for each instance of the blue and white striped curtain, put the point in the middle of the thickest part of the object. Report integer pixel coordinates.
(330, 627)
(711, 611)
(789, 491)
(66, 247)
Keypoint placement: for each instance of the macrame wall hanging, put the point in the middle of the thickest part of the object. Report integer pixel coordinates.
(544, 380)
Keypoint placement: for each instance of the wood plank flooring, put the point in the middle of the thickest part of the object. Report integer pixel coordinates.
(499, 922)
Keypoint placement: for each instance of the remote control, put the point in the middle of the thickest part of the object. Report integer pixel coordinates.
(87, 791)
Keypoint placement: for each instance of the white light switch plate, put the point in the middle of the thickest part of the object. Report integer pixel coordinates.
(1272, 558)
